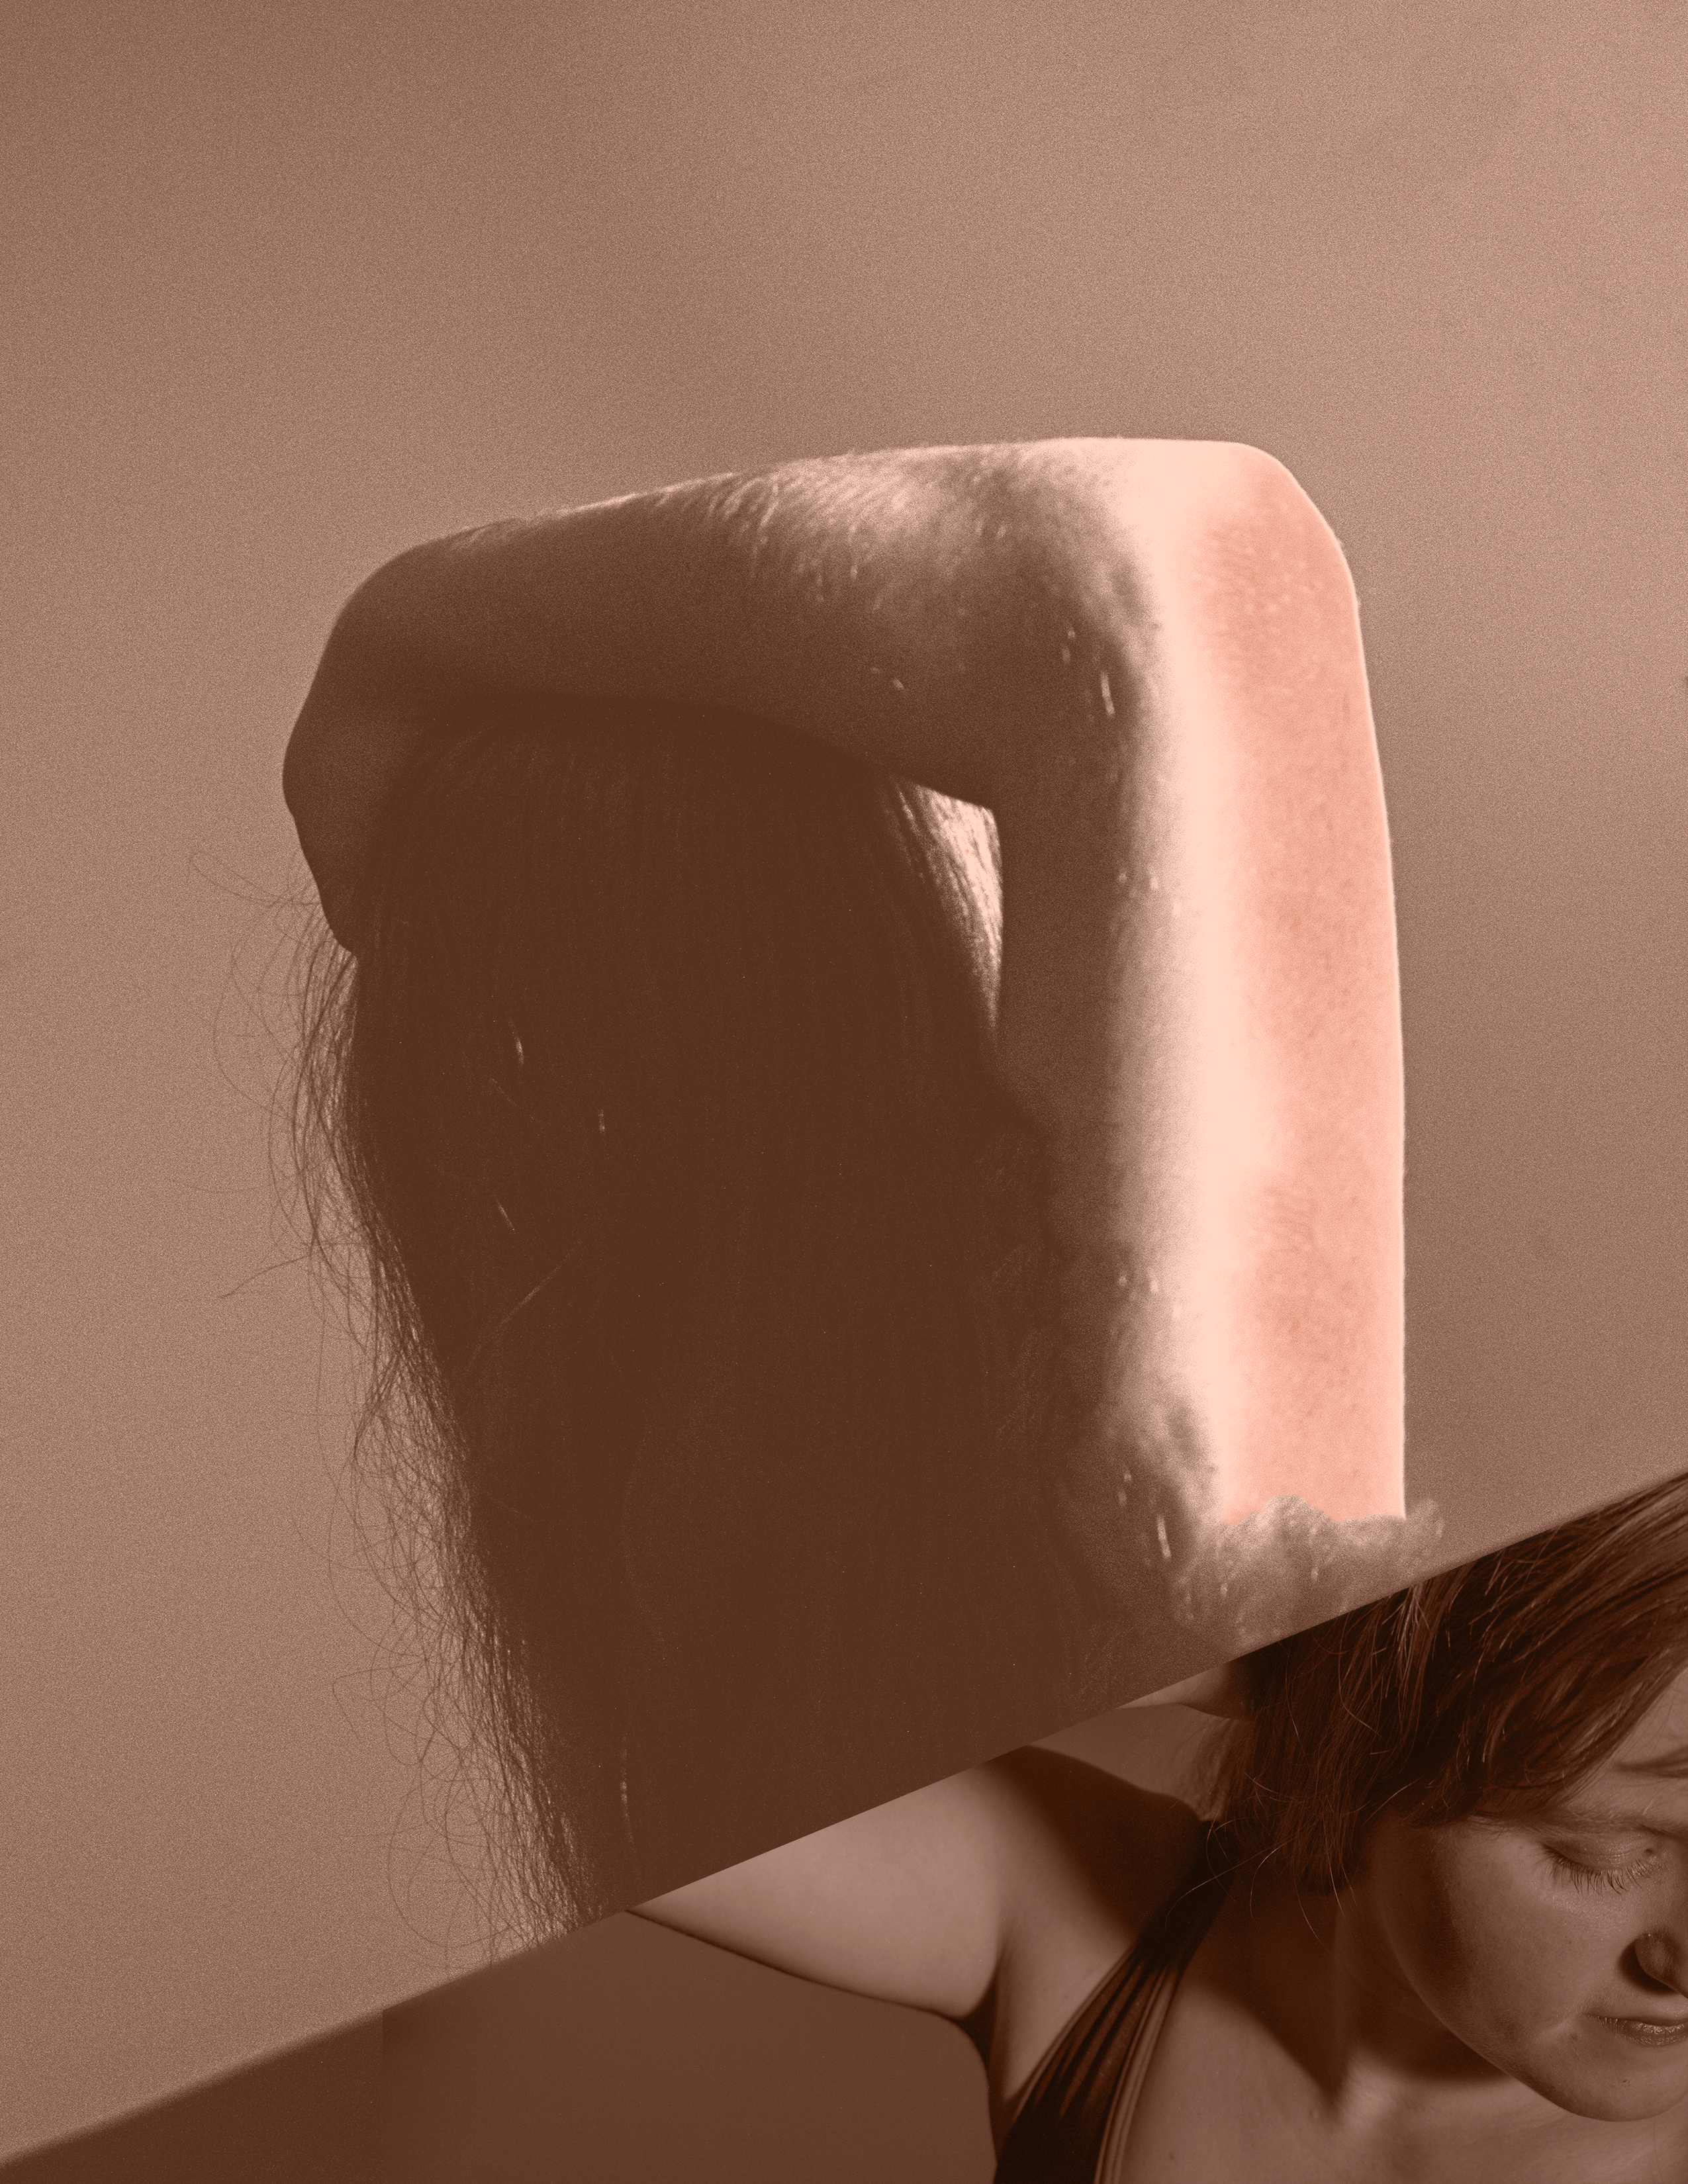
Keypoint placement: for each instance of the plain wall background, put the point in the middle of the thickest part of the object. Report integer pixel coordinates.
(624, 2052)
(288, 288)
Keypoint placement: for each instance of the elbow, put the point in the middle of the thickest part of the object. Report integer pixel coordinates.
(1155, 543)
(1138, 504)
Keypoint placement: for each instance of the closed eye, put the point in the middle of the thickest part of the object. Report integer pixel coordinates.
(1587, 1877)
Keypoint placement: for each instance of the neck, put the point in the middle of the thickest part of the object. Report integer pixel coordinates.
(1341, 2059)
(1325, 1982)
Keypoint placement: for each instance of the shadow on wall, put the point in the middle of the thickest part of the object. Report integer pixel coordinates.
(309, 2115)
(723, 2072)
(622, 2054)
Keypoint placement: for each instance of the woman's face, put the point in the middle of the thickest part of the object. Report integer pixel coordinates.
(1556, 1947)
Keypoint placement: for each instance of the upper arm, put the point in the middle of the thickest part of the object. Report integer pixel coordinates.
(905, 1902)
(923, 1901)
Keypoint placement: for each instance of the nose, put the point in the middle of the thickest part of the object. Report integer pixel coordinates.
(1663, 1959)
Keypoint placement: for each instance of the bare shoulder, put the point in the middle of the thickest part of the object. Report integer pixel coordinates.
(1077, 1839)
(1086, 1859)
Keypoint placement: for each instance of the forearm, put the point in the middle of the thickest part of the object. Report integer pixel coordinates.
(897, 604)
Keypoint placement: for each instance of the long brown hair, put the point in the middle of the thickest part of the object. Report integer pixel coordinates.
(1493, 1688)
(707, 1296)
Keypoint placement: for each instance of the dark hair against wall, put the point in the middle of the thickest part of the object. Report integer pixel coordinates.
(707, 1301)
(1492, 1688)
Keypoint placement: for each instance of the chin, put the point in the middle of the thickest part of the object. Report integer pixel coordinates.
(1628, 2087)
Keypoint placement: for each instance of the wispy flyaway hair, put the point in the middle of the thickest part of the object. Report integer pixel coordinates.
(709, 1303)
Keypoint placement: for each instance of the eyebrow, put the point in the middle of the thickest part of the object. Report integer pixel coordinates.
(1596, 1826)
(1666, 1766)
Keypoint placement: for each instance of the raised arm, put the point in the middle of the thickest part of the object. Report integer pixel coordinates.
(1144, 658)
(996, 1899)
(904, 606)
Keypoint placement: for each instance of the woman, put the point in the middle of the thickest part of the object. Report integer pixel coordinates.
(1438, 1930)
(813, 1359)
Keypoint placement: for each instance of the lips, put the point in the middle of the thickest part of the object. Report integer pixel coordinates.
(1649, 2031)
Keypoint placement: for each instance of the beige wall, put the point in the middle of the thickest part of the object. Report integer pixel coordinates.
(288, 287)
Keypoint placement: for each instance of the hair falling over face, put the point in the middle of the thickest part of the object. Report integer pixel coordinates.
(1492, 1688)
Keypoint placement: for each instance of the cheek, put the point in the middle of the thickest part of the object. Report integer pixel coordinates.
(1493, 1956)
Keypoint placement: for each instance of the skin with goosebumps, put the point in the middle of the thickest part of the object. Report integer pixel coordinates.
(1144, 658)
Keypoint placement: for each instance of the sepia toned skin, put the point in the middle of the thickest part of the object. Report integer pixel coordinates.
(1495, 1999)
(1144, 657)
(1498, 1998)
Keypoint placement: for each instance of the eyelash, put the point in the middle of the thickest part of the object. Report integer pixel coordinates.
(1600, 1876)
